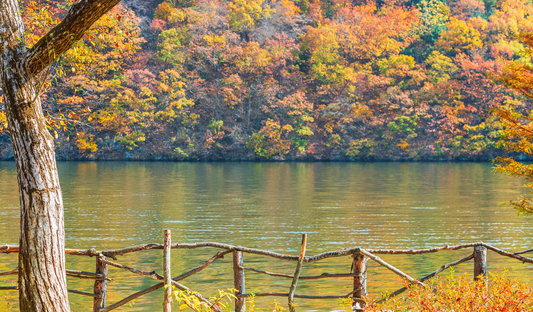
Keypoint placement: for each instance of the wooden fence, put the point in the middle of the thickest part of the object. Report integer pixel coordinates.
(358, 272)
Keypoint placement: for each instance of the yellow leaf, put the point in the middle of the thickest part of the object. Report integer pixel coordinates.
(183, 307)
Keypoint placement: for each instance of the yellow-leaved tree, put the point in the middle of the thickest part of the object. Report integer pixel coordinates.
(243, 14)
(459, 37)
(517, 122)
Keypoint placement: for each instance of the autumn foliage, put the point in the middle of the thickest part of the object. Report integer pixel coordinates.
(309, 79)
(461, 293)
(517, 123)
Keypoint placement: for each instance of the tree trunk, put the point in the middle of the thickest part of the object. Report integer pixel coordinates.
(42, 278)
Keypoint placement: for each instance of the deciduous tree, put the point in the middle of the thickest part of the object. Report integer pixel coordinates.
(42, 280)
(517, 122)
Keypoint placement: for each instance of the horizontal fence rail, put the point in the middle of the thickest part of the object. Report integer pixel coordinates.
(358, 271)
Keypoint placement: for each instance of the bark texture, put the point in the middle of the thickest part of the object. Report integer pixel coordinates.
(238, 281)
(42, 278)
(480, 262)
(100, 286)
(167, 302)
(359, 281)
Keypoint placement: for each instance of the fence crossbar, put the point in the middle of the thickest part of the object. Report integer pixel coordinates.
(226, 249)
(112, 253)
(71, 273)
(72, 291)
(273, 294)
(323, 275)
(391, 268)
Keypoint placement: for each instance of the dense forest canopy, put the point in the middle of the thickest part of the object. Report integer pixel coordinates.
(262, 79)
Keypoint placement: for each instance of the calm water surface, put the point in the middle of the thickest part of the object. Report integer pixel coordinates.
(269, 205)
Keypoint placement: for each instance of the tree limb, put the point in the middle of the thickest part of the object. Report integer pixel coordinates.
(60, 39)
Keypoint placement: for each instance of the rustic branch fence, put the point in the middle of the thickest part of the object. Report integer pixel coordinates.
(358, 272)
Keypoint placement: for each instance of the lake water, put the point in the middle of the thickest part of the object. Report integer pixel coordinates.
(112, 205)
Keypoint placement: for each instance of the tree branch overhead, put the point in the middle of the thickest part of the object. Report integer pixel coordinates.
(60, 39)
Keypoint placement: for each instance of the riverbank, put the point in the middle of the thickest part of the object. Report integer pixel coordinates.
(153, 151)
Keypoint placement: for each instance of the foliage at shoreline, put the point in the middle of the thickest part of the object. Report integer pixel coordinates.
(283, 80)
(461, 293)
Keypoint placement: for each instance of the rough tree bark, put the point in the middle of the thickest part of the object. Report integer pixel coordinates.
(42, 279)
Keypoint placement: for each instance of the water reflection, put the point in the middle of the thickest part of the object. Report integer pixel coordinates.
(268, 205)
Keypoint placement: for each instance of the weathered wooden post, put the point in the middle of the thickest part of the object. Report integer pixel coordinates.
(292, 290)
(359, 281)
(480, 262)
(238, 280)
(167, 302)
(100, 285)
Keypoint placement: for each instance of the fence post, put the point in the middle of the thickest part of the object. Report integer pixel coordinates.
(238, 278)
(480, 262)
(167, 302)
(100, 285)
(359, 281)
(297, 273)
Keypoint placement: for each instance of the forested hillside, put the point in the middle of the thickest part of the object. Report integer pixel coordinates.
(282, 80)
